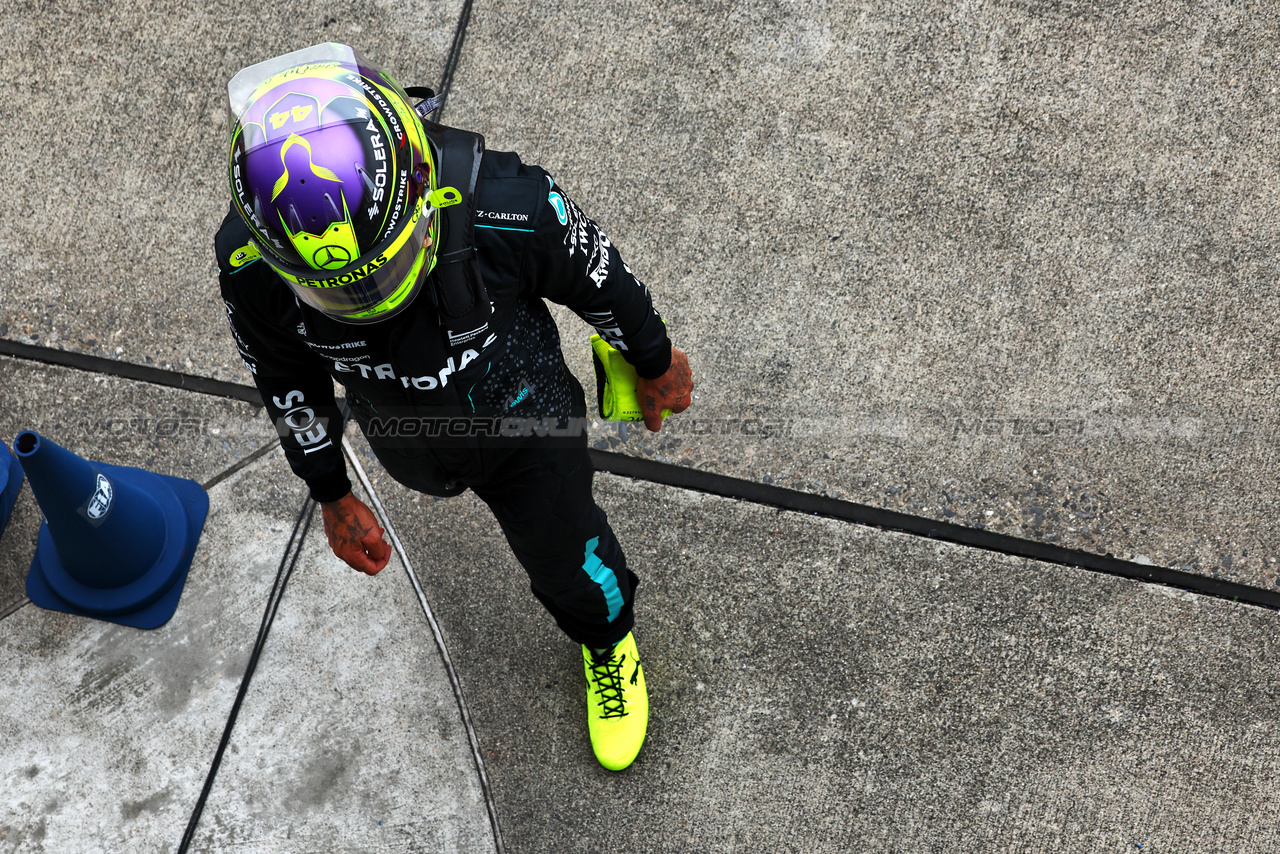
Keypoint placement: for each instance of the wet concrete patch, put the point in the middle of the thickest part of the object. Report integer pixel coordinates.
(108, 732)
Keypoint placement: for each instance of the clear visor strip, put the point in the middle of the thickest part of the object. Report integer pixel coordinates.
(437, 200)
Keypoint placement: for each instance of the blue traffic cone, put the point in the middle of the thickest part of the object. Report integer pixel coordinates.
(117, 541)
(10, 484)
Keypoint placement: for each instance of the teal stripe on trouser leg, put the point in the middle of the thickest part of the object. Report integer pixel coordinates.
(603, 576)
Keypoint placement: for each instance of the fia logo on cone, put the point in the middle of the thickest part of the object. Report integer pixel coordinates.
(100, 502)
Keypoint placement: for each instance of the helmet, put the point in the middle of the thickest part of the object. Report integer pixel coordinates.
(331, 170)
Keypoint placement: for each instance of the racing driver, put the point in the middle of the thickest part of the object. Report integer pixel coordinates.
(368, 245)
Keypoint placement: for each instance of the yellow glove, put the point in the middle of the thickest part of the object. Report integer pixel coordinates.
(616, 384)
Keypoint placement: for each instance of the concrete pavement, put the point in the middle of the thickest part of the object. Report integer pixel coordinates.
(1007, 264)
(349, 739)
(822, 687)
(1002, 264)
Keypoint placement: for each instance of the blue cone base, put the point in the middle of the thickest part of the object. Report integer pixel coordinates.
(152, 600)
(10, 484)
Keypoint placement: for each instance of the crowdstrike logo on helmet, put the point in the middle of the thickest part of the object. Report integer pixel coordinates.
(324, 147)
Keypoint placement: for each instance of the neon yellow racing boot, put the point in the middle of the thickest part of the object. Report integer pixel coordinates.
(617, 703)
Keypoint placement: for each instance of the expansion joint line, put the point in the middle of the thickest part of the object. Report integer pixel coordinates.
(683, 477)
(292, 551)
(129, 371)
(455, 53)
(385, 520)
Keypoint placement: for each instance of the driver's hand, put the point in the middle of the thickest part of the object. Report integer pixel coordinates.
(355, 535)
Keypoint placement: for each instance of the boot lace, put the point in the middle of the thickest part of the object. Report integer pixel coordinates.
(607, 677)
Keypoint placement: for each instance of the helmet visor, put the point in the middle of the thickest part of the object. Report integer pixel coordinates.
(250, 82)
(373, 290)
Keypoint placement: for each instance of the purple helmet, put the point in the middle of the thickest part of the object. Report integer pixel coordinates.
(330, 169)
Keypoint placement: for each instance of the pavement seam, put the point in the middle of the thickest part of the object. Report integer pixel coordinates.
(241, 464)
(129, 371)
(10, 610)
(451, 60)
(697, 480)
(476, 755)
(305, 515)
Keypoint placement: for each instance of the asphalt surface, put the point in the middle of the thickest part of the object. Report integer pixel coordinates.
(1002, 264)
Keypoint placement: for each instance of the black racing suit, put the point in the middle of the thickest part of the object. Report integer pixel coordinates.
(503, 417)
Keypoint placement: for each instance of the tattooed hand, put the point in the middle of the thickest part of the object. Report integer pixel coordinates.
(354, 535)
(673, 390)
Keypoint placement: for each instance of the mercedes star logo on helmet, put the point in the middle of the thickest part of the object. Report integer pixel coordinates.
(331, 257)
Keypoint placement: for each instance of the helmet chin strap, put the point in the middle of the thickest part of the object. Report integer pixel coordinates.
(430, 103)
